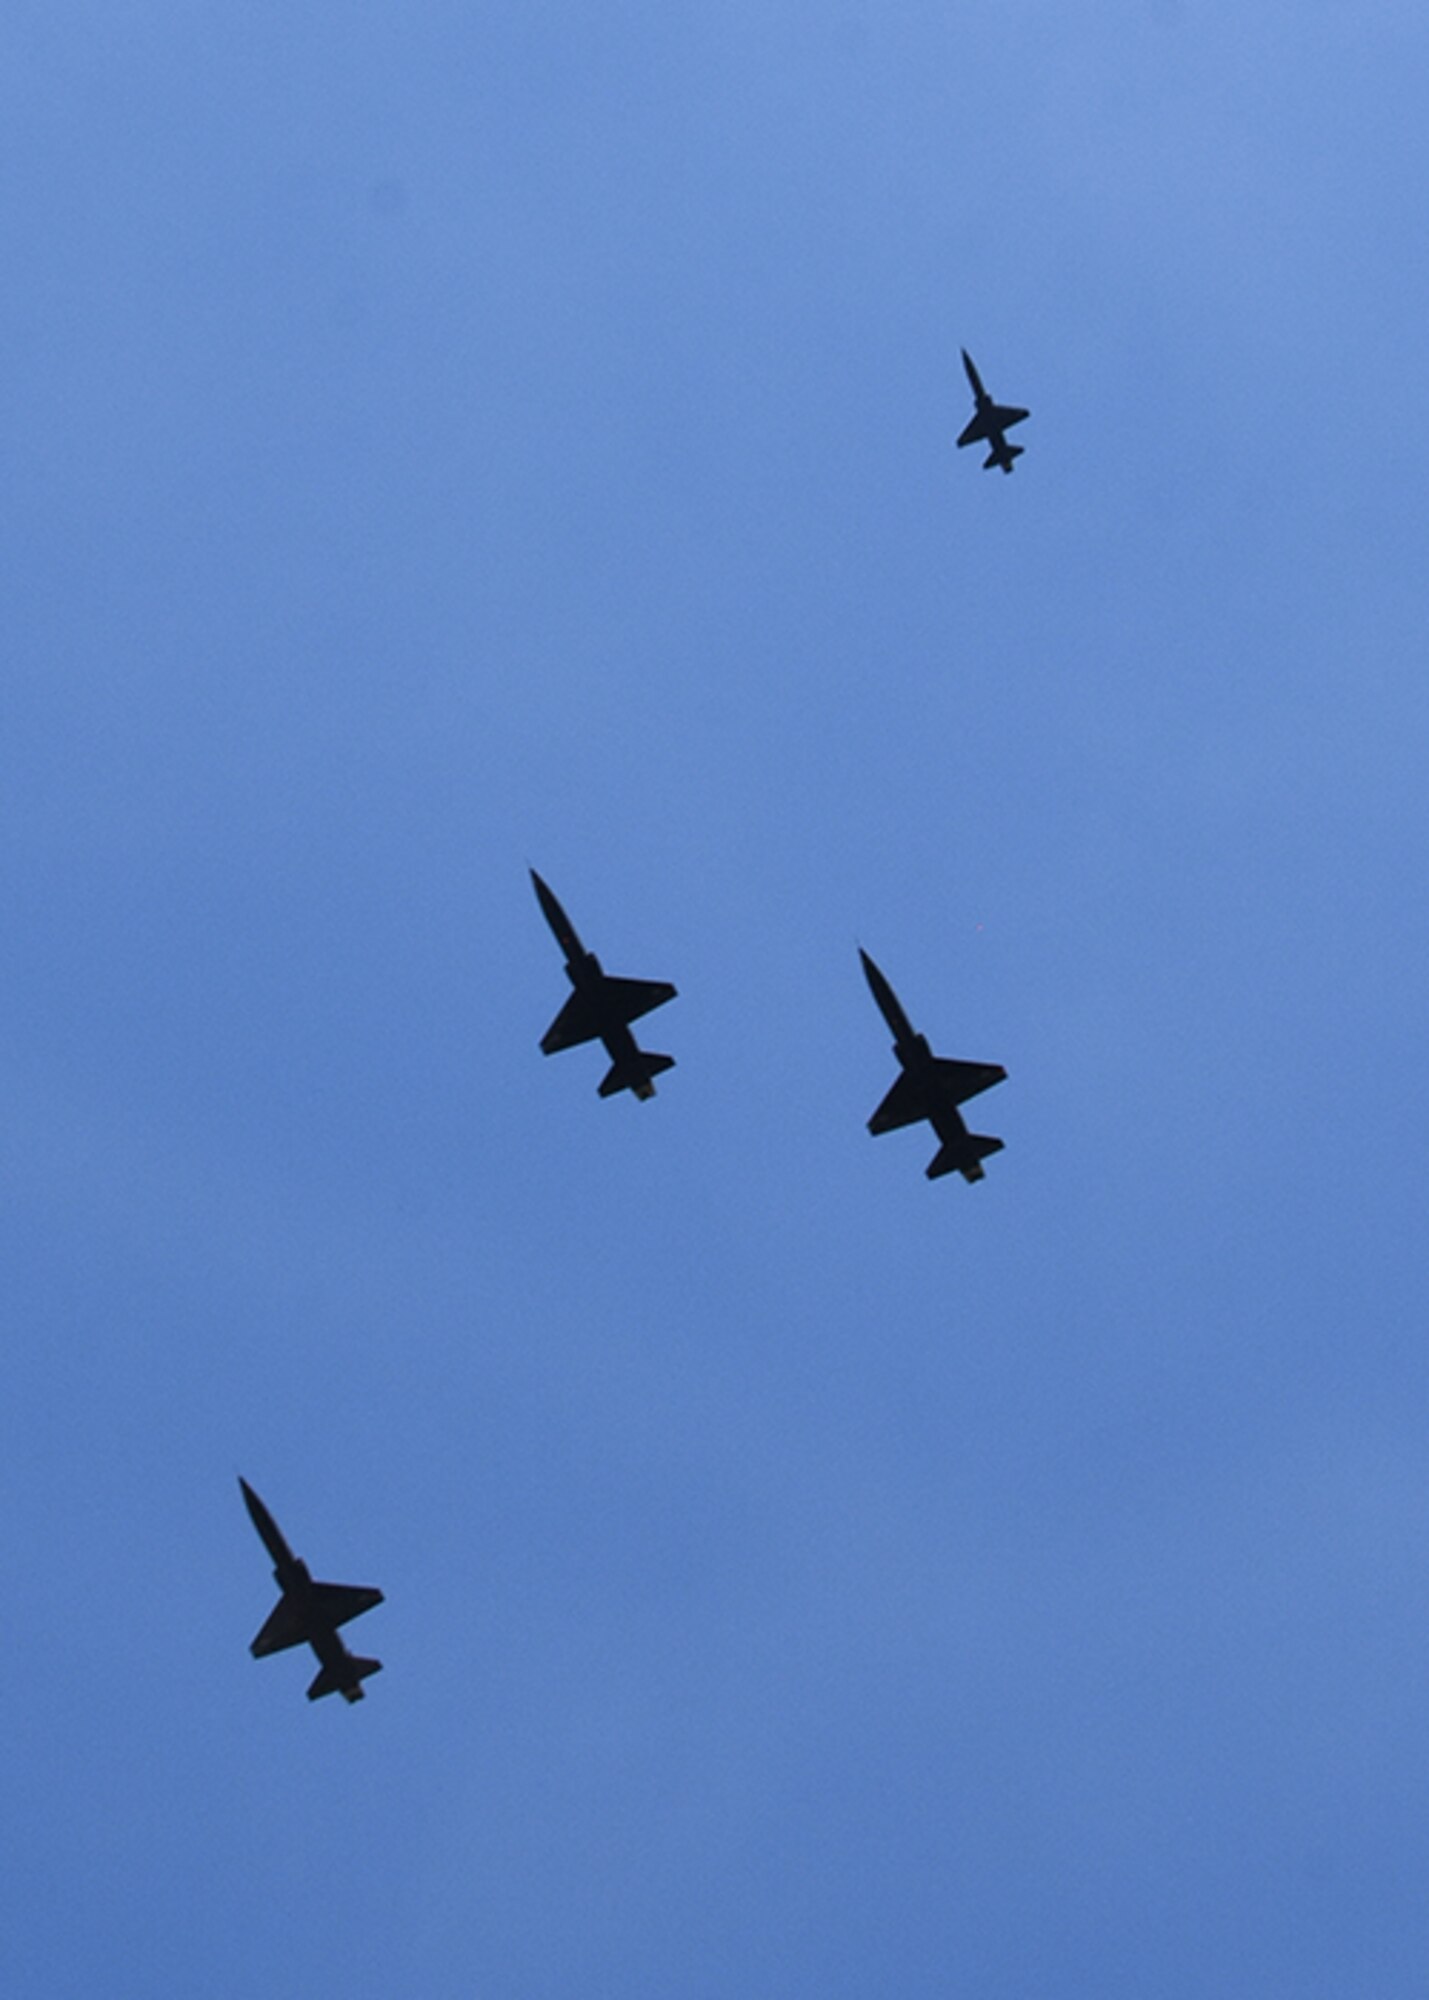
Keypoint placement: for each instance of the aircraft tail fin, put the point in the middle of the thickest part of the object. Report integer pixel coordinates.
(637, 1076)
(345, 1680)
(965, 1159)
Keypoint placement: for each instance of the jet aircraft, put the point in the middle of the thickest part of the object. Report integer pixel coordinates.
(309, 1613)
(990, 422)
(602, 1008)
(931, 1087)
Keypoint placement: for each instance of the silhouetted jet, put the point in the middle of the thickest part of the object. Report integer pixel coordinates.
(309, 1613)
(990, 422)
(931, 1087)
(602, 1008)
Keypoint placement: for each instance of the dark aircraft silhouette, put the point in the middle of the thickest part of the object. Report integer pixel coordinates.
(602, 1008)
(990, 423)
(931, 1087)
(309, 1613)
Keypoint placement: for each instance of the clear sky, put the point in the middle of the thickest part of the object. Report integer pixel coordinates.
(446, 438)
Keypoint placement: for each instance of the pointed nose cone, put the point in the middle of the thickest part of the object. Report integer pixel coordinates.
(556, 917)
(263, 1521)
(889, 1005)
(545, 899)
(877, 984)
(553, 913)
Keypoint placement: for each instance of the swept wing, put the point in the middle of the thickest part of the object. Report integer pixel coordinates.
(622, 1000)
(292, 1620)
(576, 1023)
(283, 1627)
(913, 1098)
(987, 423)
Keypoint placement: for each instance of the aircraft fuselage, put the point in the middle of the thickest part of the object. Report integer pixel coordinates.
(601, 1008)
(930, 1088)
(308, 1613)
(627, 1058)
(990, 422)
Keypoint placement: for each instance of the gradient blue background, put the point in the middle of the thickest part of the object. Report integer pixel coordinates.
(444, 438)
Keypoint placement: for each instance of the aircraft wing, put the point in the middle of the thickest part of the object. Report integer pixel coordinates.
(1002, 416)
(575, 1023)
(905, 1104)
(972, 430)
(961, 1080)
(337, 1602)
(630, 998)
(954, 1083)
(283, 1627)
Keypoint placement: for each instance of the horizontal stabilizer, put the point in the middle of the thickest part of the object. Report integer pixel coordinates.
(965, 1158)
(636, 1076)
(1003, 455)
(346, 1679)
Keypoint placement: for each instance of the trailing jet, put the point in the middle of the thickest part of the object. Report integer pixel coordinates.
(931, 1087)
(602, 1008)
(990, 422)
(309, 1613)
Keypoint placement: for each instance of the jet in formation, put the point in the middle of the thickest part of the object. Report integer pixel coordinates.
(931, 1087)
(602, 1008)
(990, 423)
(309, 1613)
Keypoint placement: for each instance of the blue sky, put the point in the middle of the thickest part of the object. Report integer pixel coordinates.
(456, 439)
